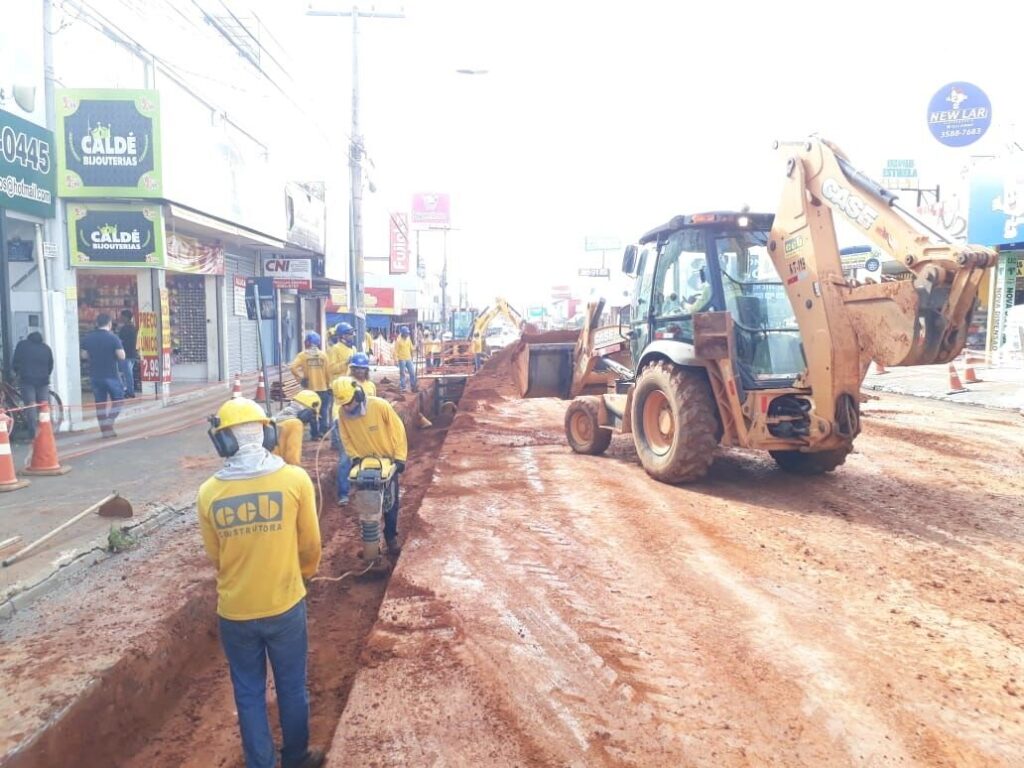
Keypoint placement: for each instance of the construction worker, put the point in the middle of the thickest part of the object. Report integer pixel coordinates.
(435, 350)
(291, 422)
(340, 354)
(359, 369)
(368, 342)
(257, 516)
(403, 354)
(312, 368)
(370, 427)
(478, 351)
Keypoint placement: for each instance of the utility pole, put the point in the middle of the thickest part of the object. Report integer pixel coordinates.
(355, 168)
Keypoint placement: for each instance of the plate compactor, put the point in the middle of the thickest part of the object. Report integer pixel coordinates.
(373, 491)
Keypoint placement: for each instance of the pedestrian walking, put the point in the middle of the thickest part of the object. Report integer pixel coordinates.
(33, 364)
(104, 352)
(311, 367)
(403, 354)
(257, 516)
(129, 335)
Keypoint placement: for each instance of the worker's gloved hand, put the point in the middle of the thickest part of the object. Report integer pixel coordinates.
(400, 466)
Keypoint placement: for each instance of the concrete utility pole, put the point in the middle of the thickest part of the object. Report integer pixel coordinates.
(355, 168)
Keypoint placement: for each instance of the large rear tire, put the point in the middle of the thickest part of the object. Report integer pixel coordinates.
(583, 427)
(675, 422)
(810, 463)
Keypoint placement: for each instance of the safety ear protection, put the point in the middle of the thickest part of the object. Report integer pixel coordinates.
(223, 441)
(359, 397)
(269, 436)
(305, 415)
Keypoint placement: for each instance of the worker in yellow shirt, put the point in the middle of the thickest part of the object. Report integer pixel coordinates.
(359, 369)
(478, 351)
(257, 516)
(368, 343)
(312, 368)
(291, 423)
(403, 354)
(370, 427)
(340, 354)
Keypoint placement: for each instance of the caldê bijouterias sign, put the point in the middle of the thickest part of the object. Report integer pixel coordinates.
(108, 143)
(116, 235)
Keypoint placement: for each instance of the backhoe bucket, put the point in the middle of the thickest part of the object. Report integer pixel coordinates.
(548, 369)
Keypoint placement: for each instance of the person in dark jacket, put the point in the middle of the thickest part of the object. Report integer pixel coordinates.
(128, 334)
(104, 352)
(33, 363)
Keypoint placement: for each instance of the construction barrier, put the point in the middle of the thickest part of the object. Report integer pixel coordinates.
(44, 460)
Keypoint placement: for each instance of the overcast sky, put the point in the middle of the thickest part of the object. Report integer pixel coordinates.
(601, 118)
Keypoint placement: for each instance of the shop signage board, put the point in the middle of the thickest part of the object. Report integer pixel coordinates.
(238, 304)
(601, 243)
(398, 258)
(268, 299)
(594, 272)
(381, 301)
(288, 272)
(192, 256)
(1003, 297)
(959, 114)
(28, 175)
(431, 209)
(108, 235)
(996, 213)
(108, 143)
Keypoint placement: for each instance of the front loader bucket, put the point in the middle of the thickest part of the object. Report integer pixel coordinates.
(548, 369)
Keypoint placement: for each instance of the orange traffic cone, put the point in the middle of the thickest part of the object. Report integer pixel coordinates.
(43, 460)
(955, 385)
(879, 369)
(236, 390)
(261, 390)
(8, 479)
(970, 375)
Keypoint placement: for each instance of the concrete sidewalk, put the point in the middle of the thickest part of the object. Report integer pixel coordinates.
(999, 387)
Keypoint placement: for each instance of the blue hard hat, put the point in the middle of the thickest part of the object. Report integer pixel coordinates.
(359, 360)
(313, 338)
(404, 330)
(343, 329)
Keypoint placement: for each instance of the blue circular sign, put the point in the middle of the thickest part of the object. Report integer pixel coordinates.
(872, 264)
(959, 114)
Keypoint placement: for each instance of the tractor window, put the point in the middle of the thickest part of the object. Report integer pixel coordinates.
(767, 336)
(682, 286)
(642, 287)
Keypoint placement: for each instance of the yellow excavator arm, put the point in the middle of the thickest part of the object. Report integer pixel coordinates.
(500, 308)
(845, 325)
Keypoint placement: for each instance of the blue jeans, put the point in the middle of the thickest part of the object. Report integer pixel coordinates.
(406, 366)
(318, 428)
(391, 515)
(103, 390)
(344, 467)
(478, 360)
(128, 376)
(247, 645)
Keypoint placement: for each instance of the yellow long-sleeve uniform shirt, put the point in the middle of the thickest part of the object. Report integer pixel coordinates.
(478, 345)
(289, 441)
(368, 387)
(313, 366)
(339, 355)
(368, 343)
(403, 348)
(379, 432)
(263, 537)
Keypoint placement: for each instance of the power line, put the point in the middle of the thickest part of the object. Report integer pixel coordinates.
(256, 40)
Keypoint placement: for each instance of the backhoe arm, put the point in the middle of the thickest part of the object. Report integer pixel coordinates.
(844, 324)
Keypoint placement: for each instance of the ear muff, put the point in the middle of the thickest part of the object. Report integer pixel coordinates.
(223, 441)
(360, 396)
(269, 436)
(306, 415)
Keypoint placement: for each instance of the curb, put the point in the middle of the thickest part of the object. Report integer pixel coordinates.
(944, 398)
(96, 554)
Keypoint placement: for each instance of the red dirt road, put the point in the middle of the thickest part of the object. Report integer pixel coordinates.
(555, 609)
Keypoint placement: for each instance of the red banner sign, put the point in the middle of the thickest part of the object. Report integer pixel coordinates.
(399, 254)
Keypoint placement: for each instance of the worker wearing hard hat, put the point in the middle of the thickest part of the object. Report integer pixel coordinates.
(478, 351)
(368, 343)
(291, 422)
(257, 516)
(340, 354)
(370, 427)
(359, 369)
(403, 354)
(311, 368)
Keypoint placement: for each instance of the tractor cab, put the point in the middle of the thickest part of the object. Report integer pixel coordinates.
(715, 262)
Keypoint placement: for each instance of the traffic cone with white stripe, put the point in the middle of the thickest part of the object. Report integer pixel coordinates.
(8, 478)
(236, 390)
(261, 390)
(43, 460)
(969, 375)
(955, 385)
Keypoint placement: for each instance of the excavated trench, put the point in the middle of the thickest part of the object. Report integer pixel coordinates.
(167, 699)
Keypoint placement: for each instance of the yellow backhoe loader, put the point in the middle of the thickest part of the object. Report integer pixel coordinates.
(744, 331)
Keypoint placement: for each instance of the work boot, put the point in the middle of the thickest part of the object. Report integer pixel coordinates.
(343, 501)
(393, 546)
(314, 759)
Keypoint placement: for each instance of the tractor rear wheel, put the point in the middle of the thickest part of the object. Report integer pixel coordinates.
(675, 422)
(583, 427)
(810, 463)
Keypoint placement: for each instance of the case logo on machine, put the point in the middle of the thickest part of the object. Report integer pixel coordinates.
(851, 204)
(249, 513)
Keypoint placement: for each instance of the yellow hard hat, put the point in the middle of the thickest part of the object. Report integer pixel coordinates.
(345, 388)
(240, 410)
(308, 398)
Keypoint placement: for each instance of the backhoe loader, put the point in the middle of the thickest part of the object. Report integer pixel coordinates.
(744, 332)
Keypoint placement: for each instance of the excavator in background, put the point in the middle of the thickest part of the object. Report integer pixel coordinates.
(744, 332)
(500, 309)
(457, 353)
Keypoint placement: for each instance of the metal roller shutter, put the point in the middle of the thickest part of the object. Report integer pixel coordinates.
(241, 341)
